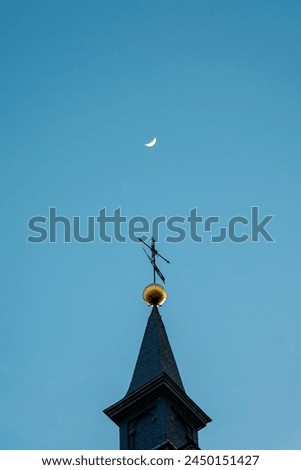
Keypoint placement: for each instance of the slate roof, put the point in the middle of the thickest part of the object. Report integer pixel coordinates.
(155, 355)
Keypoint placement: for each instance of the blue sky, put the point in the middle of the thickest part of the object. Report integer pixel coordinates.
(83, 86)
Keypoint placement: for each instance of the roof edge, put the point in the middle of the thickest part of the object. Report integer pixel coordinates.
(146, 393)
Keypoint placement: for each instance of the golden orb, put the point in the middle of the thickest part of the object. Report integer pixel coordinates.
(154, 294)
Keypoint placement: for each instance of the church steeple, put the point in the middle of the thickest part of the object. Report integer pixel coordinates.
(156, 412)
(155, 356)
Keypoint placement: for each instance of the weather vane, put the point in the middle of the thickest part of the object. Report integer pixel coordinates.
(152, 258)
(154, 294)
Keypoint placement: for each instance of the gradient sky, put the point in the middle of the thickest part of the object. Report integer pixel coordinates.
(83, 86)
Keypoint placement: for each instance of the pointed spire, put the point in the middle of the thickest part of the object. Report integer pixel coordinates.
(155, 355)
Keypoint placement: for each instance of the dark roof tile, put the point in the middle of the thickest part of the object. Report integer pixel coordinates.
(155, 355)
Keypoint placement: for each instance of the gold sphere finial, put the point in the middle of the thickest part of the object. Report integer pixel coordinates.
(154, 294)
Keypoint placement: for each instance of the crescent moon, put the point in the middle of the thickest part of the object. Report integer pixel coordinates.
(151, 143)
